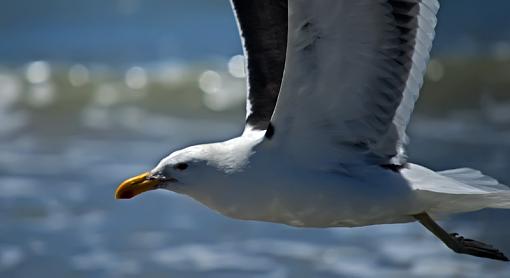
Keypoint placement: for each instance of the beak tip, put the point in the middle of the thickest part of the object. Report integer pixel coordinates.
(123, 195)
(135, 186)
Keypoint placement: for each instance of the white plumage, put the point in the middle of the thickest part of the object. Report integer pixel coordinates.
(352, 76)
(345, 76)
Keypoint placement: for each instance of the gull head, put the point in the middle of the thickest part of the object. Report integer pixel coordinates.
(189, 169)
(179, 169)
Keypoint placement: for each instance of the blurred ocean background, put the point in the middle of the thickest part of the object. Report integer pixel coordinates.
(92, 92)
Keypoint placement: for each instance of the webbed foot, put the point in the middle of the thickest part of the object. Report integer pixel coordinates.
(476, 248)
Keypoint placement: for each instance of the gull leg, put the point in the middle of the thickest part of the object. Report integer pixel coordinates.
(458, 243)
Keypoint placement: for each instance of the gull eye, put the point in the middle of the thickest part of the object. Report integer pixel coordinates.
(181, 166)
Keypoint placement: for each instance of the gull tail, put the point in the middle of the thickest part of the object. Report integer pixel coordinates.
(457, 190)
(475, 179)
(492, 193)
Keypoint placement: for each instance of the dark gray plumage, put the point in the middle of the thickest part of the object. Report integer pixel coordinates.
(263, 28)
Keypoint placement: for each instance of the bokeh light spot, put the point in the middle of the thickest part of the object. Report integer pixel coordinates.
(38, 72)
(136, 78)
(10, 89)
(78, 75)
(210, 82)
(236, 66)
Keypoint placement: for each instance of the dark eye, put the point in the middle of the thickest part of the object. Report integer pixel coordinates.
(181, 166)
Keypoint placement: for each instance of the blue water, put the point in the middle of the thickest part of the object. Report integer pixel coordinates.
(64, 149)
(59, 218)
(134, 31)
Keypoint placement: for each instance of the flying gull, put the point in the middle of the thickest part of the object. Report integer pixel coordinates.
(331, 88)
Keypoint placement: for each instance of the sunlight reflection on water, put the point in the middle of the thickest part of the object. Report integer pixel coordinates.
(59, 167)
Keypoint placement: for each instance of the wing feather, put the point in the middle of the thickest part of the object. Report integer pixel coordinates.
(352, 75)
(263, 28)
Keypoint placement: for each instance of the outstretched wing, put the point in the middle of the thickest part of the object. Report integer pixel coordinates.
(263, 28)
(352, 75)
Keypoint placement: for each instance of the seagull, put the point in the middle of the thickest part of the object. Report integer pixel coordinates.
(331, 88)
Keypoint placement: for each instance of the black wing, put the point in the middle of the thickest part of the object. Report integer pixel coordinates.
(263, 29)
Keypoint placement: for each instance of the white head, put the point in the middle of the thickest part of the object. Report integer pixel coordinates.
(180, 168)
(190, 168)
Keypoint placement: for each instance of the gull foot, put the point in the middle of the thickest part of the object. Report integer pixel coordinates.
(476, 248)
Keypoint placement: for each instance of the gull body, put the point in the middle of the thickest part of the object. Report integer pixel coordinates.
(260, 183)
(331, 88)
(247, 178)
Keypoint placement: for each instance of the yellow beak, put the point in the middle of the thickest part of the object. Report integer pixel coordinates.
(135, 185)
